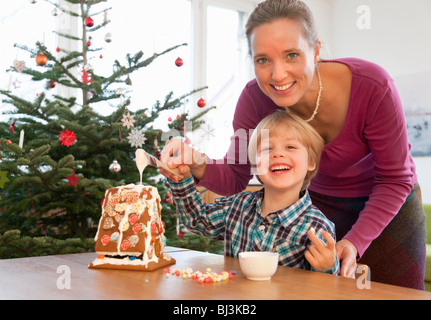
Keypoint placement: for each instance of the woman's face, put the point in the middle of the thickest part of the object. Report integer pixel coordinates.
(284, 61)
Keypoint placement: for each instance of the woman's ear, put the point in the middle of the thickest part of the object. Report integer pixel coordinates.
(311, 166)
(317, 48)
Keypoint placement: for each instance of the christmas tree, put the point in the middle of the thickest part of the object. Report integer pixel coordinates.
(58, 155)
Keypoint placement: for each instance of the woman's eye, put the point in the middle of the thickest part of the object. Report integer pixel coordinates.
(292, 55)
(261, 61)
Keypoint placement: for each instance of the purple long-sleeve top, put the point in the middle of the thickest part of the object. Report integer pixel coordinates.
(369, 158)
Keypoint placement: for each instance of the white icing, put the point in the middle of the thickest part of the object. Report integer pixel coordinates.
(124, 261)
(141, 162)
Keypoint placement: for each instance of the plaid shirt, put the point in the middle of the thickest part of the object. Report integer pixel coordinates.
(238, 221)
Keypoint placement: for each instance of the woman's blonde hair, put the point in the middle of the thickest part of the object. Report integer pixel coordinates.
(284, 121)
(271, 10)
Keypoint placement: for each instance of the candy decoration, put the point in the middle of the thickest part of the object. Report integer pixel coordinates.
(137, 228)
(179, 62)
(89, 22)
(133, 218)
(125, 244)
(115, 236)
(105, 240)
(201, 103)
(207, 277)
(41, 59)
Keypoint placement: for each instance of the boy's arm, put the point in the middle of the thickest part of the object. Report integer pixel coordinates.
(207, 219)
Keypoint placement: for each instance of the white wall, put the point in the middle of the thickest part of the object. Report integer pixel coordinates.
(396, 36)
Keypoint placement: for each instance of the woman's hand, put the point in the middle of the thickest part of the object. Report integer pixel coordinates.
(321, 256)
(177, 154)
(347, 252)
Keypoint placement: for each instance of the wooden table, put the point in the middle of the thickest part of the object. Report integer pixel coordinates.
(67, 277)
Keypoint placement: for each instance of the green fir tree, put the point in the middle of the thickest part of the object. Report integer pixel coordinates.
(37, 195)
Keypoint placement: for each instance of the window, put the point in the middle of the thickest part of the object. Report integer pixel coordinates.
(226, 71)
(216, 54)
(23, 23)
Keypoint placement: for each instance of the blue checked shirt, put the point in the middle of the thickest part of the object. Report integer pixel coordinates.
(238, 221)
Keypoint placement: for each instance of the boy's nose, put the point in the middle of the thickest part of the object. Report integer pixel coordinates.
(278, 153)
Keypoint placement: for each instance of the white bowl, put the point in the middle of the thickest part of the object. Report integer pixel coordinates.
(258, 265)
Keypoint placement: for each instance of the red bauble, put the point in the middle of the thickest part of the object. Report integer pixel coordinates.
(51, 84)
(41, 59)
(201, 103)
(179, 62)
(89, 22)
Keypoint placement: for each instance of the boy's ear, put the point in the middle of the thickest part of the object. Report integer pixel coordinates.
(258, 179)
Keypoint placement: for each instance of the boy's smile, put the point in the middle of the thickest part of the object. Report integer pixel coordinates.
(283, 163)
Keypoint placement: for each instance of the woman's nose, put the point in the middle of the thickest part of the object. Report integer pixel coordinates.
(279, 71)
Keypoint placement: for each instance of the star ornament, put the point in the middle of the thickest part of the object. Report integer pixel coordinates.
(3, 179)
(67, 138)
(73, 180)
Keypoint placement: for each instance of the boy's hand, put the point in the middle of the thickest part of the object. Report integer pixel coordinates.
(321, 256)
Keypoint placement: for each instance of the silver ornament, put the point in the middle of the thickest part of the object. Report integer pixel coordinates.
(115, 166)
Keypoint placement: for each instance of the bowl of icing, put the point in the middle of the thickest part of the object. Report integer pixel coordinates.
(258, 265)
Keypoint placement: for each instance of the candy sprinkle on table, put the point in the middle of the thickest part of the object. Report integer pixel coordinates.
(202, 277)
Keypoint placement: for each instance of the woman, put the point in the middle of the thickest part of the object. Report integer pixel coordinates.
(366, 183)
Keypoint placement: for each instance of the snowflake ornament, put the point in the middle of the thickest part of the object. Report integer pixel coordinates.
(128, 120)
(136, 138)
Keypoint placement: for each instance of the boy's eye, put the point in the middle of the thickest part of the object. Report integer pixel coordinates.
(290, 147)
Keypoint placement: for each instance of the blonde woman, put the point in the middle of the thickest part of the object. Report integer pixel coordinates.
(366, 183)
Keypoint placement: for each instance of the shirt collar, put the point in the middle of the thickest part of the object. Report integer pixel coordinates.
(288, 215)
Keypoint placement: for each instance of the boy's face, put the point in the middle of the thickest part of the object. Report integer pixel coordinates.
(283, 162)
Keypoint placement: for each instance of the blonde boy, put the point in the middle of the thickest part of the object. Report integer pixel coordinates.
(285, 152)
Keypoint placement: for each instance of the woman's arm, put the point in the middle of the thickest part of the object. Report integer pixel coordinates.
(386, 132)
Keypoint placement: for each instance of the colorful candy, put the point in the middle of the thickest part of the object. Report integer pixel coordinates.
(201, 277)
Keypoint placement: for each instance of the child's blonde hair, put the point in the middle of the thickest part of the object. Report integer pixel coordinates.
(283, 121)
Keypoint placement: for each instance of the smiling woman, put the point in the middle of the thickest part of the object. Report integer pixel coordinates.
(367, 182)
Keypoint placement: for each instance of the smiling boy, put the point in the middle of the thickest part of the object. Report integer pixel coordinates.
(284, 152)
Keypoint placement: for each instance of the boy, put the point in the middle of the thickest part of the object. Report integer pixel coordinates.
(285, 152)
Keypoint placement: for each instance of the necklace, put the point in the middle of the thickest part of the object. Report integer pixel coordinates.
(318, 96)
